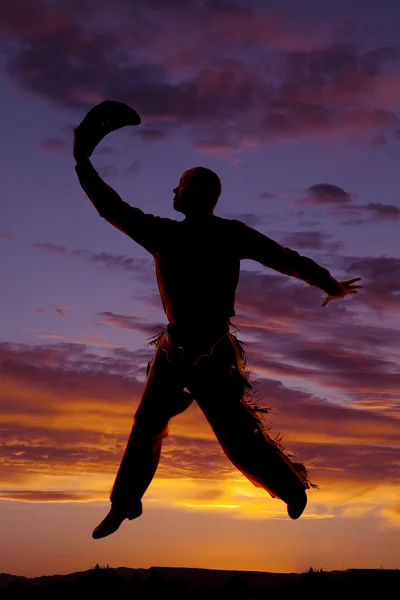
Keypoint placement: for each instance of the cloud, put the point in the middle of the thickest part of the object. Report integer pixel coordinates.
(379, 277)
(128, 322)
(379, 140)
(152, 134)
(56, 310)
(34, 21)
(355, 462)
(205, 82)
(104, 150)
(205, 7)
(54, 144)
(7, 236)
(43, 496)
(340, 203)
(134, 167)
(392, 513)
(351, 357)
(44, 364)
(327, 193)
(66, 411)
(312, 240)
(382, 211)
(108, 172)
(115, 262)
(383, 276)
(367, 213)
(54, 248)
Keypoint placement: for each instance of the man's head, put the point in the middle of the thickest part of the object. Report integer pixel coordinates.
(198, 192)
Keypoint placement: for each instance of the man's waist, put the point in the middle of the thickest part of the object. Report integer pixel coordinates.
(198, 332)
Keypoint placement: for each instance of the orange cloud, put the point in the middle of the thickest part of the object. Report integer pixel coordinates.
(66, 414)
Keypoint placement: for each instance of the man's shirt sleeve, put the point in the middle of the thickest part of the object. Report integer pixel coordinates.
(144, 228)
(254, 245)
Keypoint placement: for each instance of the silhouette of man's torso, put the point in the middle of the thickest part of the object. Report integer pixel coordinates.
(197, 267)
(198, 260)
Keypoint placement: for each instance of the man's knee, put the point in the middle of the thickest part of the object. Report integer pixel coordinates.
(150, 425)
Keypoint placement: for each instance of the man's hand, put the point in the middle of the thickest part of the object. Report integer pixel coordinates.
(346, 287)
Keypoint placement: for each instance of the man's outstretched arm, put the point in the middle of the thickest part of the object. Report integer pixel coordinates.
(138, 225)
(141, 227)
(256, 246)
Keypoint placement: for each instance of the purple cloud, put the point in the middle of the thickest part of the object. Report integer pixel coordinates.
(340, 202)
(312, 240)
(379, 140)
(327, 193)
(139, 266)
(267, 196)
(54, 144)
(134, 167)
(227, 103)
(128, 322)
(108, 172)
(381, 211)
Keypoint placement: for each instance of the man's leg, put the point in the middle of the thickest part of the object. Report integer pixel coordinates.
(163, 398)
(218, 389)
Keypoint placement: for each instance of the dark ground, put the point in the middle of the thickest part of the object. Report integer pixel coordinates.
(180, 583)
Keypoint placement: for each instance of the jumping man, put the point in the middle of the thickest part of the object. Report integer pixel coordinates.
(197, 264)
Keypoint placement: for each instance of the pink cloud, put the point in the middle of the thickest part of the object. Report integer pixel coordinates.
(33, 21)
(58, 311)
(43, 496)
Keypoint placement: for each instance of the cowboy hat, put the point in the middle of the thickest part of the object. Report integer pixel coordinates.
(103, 118)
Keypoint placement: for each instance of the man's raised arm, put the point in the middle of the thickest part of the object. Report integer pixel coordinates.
(256, 246)
(141, 227)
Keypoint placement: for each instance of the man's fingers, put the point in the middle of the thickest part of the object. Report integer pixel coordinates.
(347, 288)
(325, 302)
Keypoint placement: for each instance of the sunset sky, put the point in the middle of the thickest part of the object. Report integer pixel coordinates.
(296, 105)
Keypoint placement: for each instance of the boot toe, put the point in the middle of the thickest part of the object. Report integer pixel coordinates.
(296, 507)
(114, 519)
(108, 525)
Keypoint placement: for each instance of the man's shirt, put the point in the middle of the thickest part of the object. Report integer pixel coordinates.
(198, 260)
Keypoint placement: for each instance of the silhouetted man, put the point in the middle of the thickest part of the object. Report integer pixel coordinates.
(197, 264)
